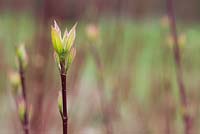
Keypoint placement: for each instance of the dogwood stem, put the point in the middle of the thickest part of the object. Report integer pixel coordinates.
(179, 72)
(22, 77)
(64, 97)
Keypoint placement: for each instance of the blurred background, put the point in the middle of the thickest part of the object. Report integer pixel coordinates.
(123, 78)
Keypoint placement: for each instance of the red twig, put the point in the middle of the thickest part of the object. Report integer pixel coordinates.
(179, 71)
(64, 97)
(22, 77)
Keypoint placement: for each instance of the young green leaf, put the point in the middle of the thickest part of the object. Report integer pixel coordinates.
(69, 39)
(57, 28)
(15, 81)
(56, 40)
(70, 58)
(22, 56)
(63, 45)
(21, 109)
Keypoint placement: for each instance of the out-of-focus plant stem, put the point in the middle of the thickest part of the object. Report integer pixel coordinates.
(26, 120)
(179, 71)
(104, 108)
(64, 97)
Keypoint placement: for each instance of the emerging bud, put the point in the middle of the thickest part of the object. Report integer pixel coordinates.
(56, 38)
(15, 81)
(68, 38)
(181, 40)
(62, 44)
(70, 58)
(60, 103)
(21, 109)
(92, 32)
(22, 56)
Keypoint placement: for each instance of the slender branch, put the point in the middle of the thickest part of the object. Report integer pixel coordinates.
(22, 77)
(179, 71)
(64, 97)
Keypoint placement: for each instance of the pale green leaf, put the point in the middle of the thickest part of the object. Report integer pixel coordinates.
(70, 38)
(56, 40)
(71, 57)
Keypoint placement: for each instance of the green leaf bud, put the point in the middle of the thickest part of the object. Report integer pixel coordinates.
(56, 38)
(15, 81)
(60, 103)
(21, 109)
(70, 58)
(22, 56)
(69, 38)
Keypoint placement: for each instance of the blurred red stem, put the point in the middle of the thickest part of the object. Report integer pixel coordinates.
(64, 97)
(22, 77)
(179, 72)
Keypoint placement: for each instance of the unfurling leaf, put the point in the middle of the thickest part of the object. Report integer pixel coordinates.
(69, 38)
(182, 39)
(22, 56)
(56, 38)
(15, 81)
(21, 109)
(63, 45)
(70, 58)
(57, 28)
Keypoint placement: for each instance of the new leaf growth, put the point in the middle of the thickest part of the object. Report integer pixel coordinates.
(64, 55)
(22, 56)
(63, 45)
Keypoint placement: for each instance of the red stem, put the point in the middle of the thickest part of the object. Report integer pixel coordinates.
(22, 77)
(64, 97)
(179, 71)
